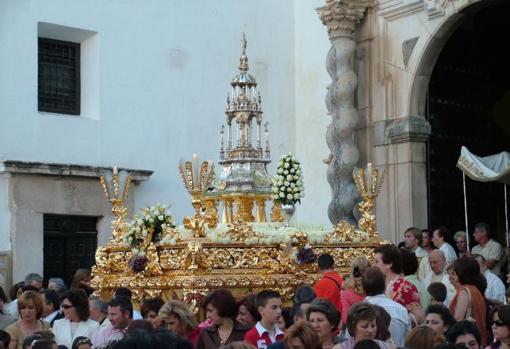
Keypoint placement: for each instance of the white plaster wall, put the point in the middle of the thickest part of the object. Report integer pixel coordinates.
(5, 215)
(311, 46)
(163, 76)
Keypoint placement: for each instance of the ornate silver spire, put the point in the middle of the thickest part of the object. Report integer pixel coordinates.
(243, 159)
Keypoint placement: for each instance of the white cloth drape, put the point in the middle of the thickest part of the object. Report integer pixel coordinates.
(493, 168)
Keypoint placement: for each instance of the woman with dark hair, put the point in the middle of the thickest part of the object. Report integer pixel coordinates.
(221, 308)
(304, 294)
(465, 334)
(5, 320)
(388, 259)
(439, 318)
(500, 317)
(324, 318)
(150, 309)
(82, 343)
(426, 241)
(30, 308)
(76, 322)
(248, 314)
(469, 302)
(44, 344)
(81, 281)
(383, 321)
(361, 325)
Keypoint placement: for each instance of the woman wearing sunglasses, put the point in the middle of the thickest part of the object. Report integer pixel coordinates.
(76, 322)
(500, 317)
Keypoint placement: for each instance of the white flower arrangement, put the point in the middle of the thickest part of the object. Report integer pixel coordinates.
(275, 233)
(152, 220)
(288, 185)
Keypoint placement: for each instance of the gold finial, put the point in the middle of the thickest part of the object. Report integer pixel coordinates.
(197, 180)
(119, 209)
(369, 183)
(243, 65)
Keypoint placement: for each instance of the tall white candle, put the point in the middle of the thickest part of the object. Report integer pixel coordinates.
(368, 176)
(195, 171)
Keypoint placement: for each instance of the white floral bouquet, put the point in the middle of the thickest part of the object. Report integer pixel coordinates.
(288, 183)
(150, 222)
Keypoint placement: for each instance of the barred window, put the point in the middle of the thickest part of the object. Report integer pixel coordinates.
(59, 76)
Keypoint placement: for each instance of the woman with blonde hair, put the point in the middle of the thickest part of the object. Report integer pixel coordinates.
(30, 308)
(353, 293)
(176, 317)
(423, 337)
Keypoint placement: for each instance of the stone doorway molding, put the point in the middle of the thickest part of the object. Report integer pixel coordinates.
(400, 139)
(33, 189)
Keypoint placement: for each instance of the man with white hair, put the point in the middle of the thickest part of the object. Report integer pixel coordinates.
(495, 287)
(437, 263)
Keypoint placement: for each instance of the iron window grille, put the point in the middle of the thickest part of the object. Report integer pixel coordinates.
(59, 77)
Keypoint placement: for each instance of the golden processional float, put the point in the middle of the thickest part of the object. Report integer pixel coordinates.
(241, 250)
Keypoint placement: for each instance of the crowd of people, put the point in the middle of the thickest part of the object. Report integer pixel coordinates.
(423, 294)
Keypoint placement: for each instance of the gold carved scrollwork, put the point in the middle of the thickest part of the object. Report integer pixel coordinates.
(252, 258)
(367, 220)
(342, 232)
(153, 267)
(170, 259)
(276, 213)
(194, 257)
(240, 231)
(198, 222)
(118, 261)
(299, 239)
(244, 209)
(285, 259)
(101, 267)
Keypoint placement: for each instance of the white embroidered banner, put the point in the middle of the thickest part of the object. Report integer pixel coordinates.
(493, 168)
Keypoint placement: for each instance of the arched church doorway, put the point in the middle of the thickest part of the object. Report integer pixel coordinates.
(469, 104)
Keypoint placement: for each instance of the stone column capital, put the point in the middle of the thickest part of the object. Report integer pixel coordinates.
(341, 16)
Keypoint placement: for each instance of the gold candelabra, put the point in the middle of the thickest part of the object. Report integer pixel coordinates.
(197, 180)
(369, 185)
(119, 209)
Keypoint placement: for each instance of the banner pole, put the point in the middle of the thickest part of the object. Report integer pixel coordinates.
(506, 214)
(465, 210)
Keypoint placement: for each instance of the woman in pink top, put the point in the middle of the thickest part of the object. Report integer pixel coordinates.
(353, 293)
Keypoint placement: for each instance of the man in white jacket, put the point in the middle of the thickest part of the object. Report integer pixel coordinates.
(495, 287)
(374, 285)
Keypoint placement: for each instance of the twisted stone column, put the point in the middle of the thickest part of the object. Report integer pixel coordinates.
(340, 17)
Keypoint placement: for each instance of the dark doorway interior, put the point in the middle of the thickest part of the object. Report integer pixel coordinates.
(469, 104)
(70, 243)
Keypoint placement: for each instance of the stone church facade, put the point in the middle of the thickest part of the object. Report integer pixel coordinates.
(380, 59)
